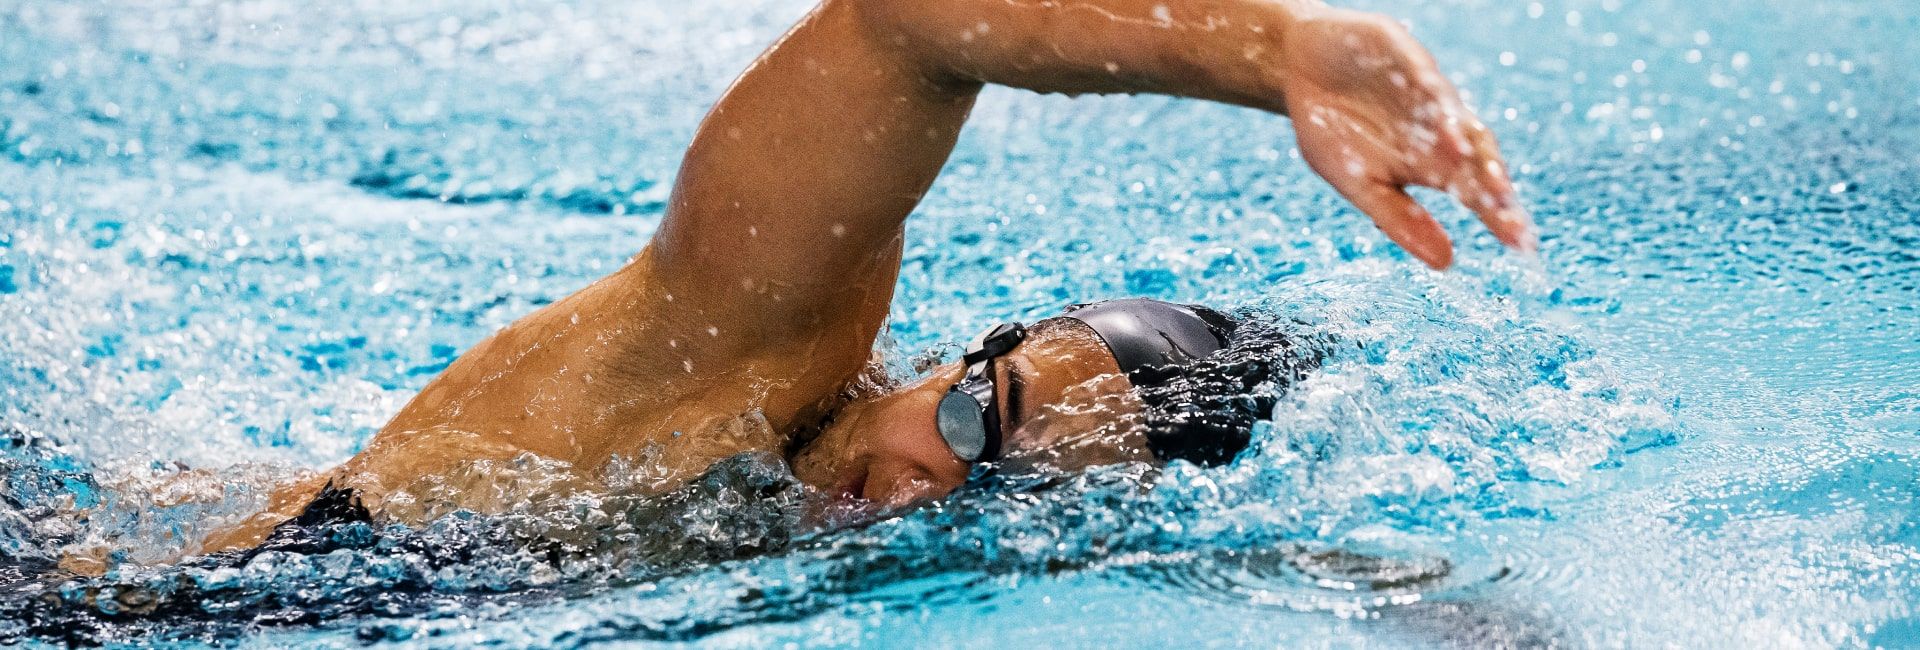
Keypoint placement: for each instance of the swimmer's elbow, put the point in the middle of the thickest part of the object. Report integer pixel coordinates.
(920, 33)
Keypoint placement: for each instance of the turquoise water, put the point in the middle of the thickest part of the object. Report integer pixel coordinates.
(236, 237)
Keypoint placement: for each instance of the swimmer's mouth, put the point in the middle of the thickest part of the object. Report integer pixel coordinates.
(852, 486)
(841, 503)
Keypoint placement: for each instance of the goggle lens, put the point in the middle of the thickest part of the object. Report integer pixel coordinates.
(962, 422)
(968, 419)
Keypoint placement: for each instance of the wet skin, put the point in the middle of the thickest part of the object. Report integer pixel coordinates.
(757, 303)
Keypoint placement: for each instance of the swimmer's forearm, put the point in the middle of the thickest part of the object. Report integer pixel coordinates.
(1221, 50)
(790, 201)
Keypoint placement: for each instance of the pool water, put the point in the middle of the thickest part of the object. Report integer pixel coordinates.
(236, 237)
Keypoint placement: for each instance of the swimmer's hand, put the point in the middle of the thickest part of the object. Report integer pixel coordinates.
(1374, 116)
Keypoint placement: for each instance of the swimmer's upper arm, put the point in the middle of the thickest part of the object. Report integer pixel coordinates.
(782, 239)
(785, 224)
(786, 218)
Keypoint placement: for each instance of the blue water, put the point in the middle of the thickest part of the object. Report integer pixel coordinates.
(236, 237)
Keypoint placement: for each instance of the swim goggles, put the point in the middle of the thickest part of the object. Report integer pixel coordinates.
(1150, 340)
(969, 416)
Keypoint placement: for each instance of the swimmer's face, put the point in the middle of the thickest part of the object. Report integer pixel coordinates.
(1064, 406)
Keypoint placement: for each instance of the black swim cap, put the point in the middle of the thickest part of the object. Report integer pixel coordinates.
(1155, 342)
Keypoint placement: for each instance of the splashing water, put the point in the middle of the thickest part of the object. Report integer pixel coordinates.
(235, 238)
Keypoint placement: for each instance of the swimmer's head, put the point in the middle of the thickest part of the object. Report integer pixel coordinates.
(1108, 383)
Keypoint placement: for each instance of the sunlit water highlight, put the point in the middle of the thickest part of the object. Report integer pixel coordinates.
(236, 237)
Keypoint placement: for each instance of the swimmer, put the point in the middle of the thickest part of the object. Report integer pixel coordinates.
(746, 324)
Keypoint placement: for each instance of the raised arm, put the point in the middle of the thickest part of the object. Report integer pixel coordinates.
(789, 205)
(772, 272)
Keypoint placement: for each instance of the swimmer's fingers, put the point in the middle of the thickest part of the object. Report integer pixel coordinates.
(1402, 219)
(1370, 178)
(1483, 186)
(1464, 158)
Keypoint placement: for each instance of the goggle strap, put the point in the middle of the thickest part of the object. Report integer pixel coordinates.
(995, 342)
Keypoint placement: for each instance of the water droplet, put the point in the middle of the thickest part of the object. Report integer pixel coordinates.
(1162, 15)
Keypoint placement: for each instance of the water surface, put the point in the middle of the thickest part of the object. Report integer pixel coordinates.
(236, 237)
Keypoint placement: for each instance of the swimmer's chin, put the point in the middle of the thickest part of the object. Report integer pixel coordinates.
(826, 511)
(854, 500)
(851, 484)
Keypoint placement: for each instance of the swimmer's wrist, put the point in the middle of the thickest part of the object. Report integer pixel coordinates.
(1232, 51)
(1256, 71)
